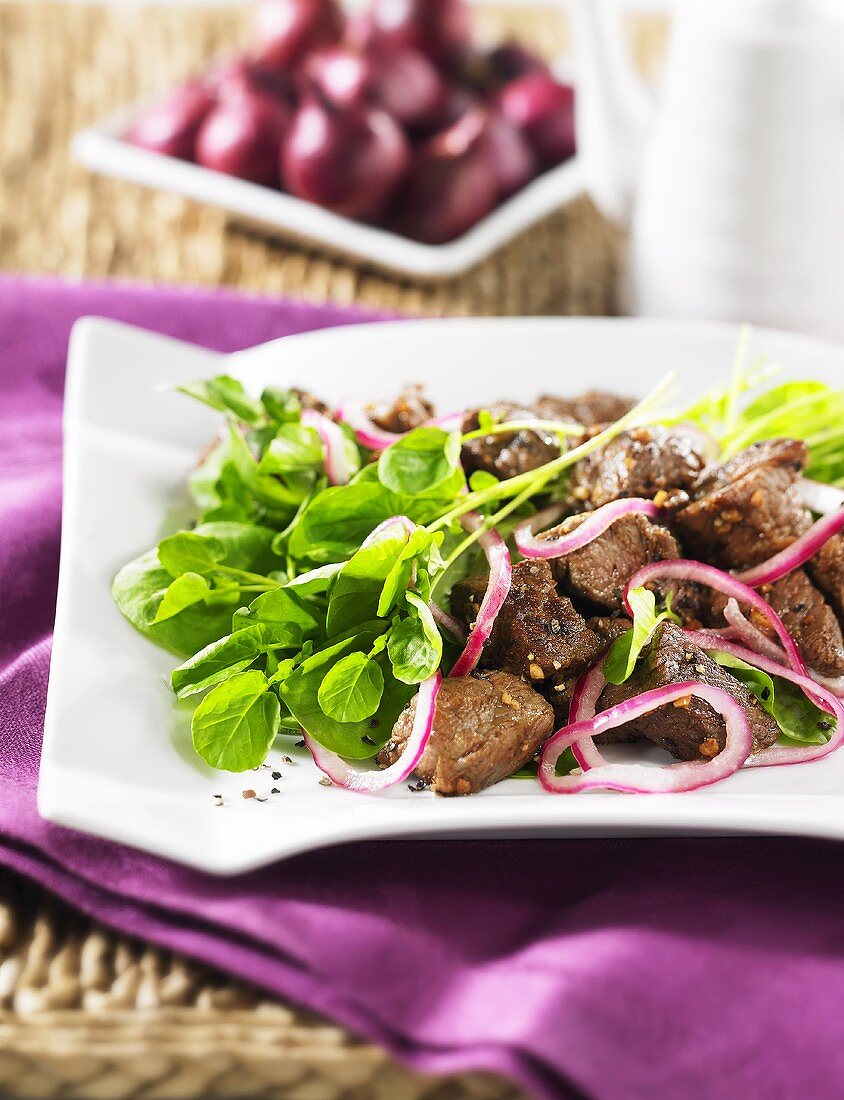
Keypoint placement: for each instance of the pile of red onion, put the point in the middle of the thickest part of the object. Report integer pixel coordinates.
(394, 117)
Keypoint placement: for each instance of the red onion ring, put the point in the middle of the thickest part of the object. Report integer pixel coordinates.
(793, 556)
(699, 573)
(369, 435)
(405, 522)
(333, 445)
(452, 625)
(810, 688)
(500, 578)
(584, 701)
(643, 778)
(530, 545)
(351, 778)
(821, 498)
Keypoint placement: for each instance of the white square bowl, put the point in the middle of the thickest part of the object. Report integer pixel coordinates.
(117, 759)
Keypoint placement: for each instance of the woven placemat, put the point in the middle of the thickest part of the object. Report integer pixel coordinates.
(85, 1013)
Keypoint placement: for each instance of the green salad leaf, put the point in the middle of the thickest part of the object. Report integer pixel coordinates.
(626, 650)
(419, 461)
(236, 723)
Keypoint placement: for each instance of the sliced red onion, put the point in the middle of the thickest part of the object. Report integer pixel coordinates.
(584, 701)
(643, 778)
(448, 622)
(821, 498)
(699, 573)
(500, 577)
(394, 521)
(345, 775)
(532, 546)
(752, 637)
(369, 435)
(786, 561)
(802, 754)
(333, 445)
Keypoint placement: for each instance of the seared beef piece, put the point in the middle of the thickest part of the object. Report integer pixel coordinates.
(308, 401)
(641, 463)
(538, 634)
(486, 726)
(596, 574)
(749, 508)
(510, 453)
(409, 410)
(826, 569)
(805, 614)
(559, 693)
(693, 731)
(594, 407)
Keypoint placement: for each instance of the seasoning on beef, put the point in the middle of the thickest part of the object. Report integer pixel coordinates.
(594, 407)
(748, 509)
(507, 454)
(559, 693)
(486, 726)
(694, 731)
(538, 634)
(596, 574)
(409, 410)
(645, 462)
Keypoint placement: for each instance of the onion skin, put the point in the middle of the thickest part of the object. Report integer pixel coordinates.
(440, 29)
(333, 445)
(509, 62)
(452, 184)
(342, 76)
(543, 109)
(795, 555)
(513, 157)
(347, 162)
(595, 524)
(498, 588)
(287, 30)
(171, 127)
(242, 137)
(408, 86)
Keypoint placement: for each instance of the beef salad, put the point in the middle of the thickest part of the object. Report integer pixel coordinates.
(509, 589)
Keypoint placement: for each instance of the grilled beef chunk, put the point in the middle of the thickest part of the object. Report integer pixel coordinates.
(641, 463)
(409, 410)
(560, 692)
(594, 407)
(596, 574)
(507, 454)
(749, 508)
(826, 569)
(308, 401)
(538, 634)
(693, 731)
(486, 726)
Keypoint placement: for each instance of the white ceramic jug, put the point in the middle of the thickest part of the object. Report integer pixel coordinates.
(734, 185)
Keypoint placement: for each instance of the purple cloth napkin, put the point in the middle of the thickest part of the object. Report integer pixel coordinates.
(617, 969)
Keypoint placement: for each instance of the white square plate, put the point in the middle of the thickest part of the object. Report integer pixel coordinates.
(101, 148)
(117, 757)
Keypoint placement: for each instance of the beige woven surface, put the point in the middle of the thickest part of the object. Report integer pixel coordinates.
(85, 1013)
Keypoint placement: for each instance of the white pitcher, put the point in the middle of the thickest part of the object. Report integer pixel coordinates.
(734, 185)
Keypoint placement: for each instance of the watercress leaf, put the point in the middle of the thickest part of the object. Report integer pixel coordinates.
(282, 406)
(299, 693)
(236, 723)
(316, 581)
(232, 654)
(415, 646)
(797, 717)
(139, 589)
(284, 607)
(185, 591)
(226, 395)
(356, 591)
(625, 651)
(419, 461)
(282, 670)
(482, 479)
(398, 579)
(245, 545)
(351, 689)
(293, 449)
(188, 552)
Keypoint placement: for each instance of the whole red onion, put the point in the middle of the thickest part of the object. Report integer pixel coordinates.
(287, 30)
(407, 85)
(242, 137)
(543, 109)
(441, 29)
(452, 185)
(347, 161)
(512, 154)
(170, 127)
(242, 75)
(342, 76)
